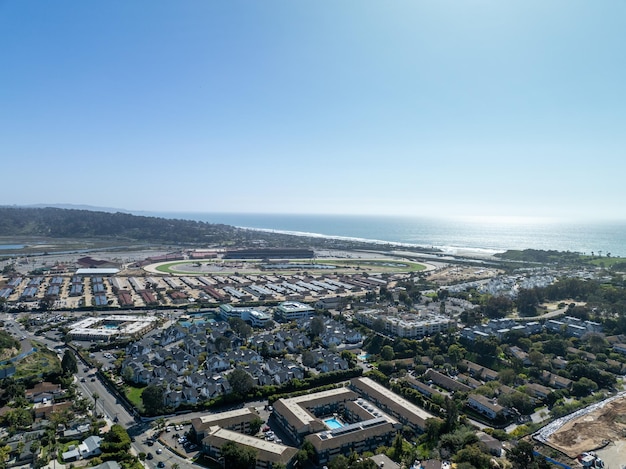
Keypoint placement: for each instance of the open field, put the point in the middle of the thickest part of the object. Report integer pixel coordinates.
(43, 361)
(602, 427)
(456, 273)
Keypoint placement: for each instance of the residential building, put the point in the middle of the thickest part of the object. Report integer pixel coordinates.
(485, 406)
(268, 454)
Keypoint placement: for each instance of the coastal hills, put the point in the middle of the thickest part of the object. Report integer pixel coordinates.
(59, 223)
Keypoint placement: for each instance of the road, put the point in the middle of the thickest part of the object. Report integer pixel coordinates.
(107, 404)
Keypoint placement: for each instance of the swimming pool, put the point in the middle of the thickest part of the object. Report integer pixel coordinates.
(333, 423)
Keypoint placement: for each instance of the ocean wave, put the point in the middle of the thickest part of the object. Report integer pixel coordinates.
(449, 250)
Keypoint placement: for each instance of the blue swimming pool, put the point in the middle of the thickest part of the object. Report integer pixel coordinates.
(333, 423)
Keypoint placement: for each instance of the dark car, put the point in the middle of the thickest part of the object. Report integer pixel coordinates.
(149, 456)
(160, 464)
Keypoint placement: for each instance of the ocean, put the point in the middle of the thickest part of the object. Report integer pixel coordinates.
(488, 235)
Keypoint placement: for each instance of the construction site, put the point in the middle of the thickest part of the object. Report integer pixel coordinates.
(600, 430)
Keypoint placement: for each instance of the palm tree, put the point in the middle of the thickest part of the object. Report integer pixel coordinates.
(95, 396)
(159, 423)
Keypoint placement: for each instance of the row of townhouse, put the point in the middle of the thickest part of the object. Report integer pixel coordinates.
(573, 326)
(335, 333)
(326, 362)
(508, 285)
(280, 342)
(187, 380)
(499, 328)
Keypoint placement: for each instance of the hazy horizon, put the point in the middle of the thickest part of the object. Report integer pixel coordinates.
(487, 219)
(413, 109)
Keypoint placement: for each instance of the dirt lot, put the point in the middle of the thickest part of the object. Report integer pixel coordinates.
(456, 274)
(592, 430)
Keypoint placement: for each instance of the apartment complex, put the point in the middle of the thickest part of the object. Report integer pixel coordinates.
(409, 325)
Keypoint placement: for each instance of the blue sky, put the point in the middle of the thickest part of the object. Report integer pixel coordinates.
(443, 108)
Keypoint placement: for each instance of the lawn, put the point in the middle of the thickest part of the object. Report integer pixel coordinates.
(606, 262)
(134, 396)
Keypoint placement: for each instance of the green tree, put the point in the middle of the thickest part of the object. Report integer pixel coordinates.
(518, 400)
(456, 353)
(153, 398)
(434, 428)
(597, 343)
(237, 456)
(255, 425)
(12, 389)
(398, 447)
(536, 358)
(128, 374)
(387, 353)
(350, 357)
(18, 418)
(507, 376)
(68, 363)
(241, 327)
(439, 360)
(308, 358)
(95, 396)
(302, 457)
(527, 301)
(378, 325)
(583, 387)
(116, 444)
(317, 326)
(496, 307)
(222, 343)
(5, 452)
(521, 456)
(240, 381)
(452, 415)
(474, 455)
(339, 462)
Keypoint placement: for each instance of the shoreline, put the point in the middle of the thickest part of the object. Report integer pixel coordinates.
(457, 251)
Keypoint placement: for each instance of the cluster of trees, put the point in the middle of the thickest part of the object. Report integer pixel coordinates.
(69, 365)
(7, 342)
(608, 298)
(115, 446)
(541, 256)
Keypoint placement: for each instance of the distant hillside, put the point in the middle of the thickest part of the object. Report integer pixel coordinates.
(66, 223)
(52, 222)
(77, 207)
